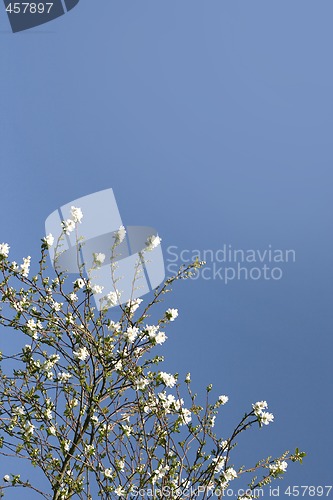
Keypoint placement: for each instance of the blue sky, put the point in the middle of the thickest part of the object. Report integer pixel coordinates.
(212, 121)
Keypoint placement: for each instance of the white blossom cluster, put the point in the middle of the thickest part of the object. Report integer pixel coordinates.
(171, 314)
(154, 334)
(279, 467)
(4, 250)
(99, 259)
(264, 417)
(152, 242)
(49, 240)
(167, 379)
(24, 268)
(120, 235)
(82, 354)
(69, 225)
(169, 404)
(133, 305)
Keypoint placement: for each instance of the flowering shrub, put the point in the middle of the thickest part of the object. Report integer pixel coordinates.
(86, 403)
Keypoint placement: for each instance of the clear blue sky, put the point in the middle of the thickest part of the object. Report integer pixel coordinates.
(212, 121)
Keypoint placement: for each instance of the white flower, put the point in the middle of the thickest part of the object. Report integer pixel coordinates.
(172, 314)
(73, 403)
(49, 240)
(64, 377)
(266, 418)
(108, 472)
(120, 235)
(131, 333)
(152, 242)
(81, 353)
(29, 428)
(167, 379)
(278, 467)
(69, 318)
(230, 474)
(79, 283)
(14, 266)
(141, 384)
(90, 449)
(263, 416)
(219, 464)
(25, 267)
(160, 473)
(168, 401)
(212, 421)
(97, 289)
(52, 430)
(67, 444)
(77, 214)
(283, 466)
(48, 414)
(99, 258)
(154, 334)
(126, 417)
(148, 408)
(68, 226)
(151, 331)
(73, 297)
(133, 305)
(188, 378)
(6, 478)
(113, 326)
(118, 365)
(112, 298)
(18, 306)
(223, 445)
(4, 249)
(223, 399)
(160, 338)
(127, 429)
(120, 492)
(186, 415)
(95, 419)
(56, 306)
(121, 465)
(19, 410)
(273, 468)
(259, 406)
(32, 325)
